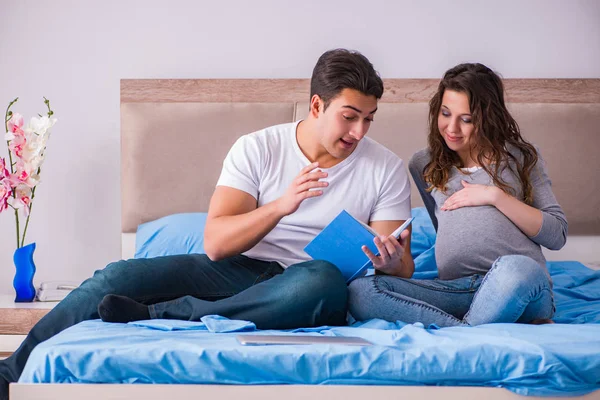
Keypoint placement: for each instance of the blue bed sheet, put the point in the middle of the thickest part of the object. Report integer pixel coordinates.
(546, 360)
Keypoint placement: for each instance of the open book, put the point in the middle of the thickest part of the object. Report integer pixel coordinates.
(341, 241)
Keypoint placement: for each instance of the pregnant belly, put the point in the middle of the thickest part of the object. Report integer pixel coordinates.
(470, 239)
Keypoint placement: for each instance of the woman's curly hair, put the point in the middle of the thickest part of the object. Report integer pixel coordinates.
(496, 131)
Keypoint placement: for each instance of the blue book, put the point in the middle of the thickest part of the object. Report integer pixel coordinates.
(341, 241)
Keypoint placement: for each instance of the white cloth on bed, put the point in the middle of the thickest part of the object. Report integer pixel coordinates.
(371, 184)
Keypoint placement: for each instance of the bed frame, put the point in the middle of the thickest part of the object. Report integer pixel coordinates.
(176, 133)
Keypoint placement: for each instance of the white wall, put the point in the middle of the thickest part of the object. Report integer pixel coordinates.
(75, 53)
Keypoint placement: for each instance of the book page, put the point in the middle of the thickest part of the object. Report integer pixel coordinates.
(367, 227)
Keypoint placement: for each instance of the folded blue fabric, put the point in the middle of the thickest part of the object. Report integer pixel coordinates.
(576, 292)
(209, 323)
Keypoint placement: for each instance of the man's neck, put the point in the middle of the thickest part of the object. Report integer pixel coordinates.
(310, 145)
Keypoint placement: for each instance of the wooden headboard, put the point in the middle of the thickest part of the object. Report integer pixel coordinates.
(176, 133)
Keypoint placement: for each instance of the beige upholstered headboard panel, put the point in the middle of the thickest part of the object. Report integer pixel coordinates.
(176, 133)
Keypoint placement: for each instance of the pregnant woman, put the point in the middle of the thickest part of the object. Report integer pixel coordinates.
(490, 199)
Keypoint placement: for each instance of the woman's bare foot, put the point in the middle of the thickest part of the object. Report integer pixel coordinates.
(541, 321)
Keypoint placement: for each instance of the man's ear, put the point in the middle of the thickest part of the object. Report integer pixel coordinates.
(316, 104)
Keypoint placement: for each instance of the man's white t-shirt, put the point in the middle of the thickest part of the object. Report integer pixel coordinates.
(371, 184)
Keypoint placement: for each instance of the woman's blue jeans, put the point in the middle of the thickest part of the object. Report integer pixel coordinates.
(515, 289)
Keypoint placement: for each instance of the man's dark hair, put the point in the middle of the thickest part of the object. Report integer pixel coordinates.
(341, 69)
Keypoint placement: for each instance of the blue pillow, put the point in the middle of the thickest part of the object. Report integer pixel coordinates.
(184, 234)
(423, 232)
(171, 235)
(422, 244)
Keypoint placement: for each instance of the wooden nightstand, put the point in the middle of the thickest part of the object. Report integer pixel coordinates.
(16, 319)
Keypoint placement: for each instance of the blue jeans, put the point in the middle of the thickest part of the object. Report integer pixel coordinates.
(515, 289)
(308, 294)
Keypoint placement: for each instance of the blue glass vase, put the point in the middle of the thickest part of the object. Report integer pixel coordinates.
(23, 282)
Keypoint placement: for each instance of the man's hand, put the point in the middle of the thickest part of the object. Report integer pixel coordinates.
(472, 195)
(299, 190)
(390, 253)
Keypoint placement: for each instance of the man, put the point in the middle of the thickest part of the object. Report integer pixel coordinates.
(278, 188)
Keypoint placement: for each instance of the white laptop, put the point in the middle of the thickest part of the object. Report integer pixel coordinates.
(301, 339)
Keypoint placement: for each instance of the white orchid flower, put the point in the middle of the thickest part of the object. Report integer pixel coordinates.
(40, 125)
(34, 150)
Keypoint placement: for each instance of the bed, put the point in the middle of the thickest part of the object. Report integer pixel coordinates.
(184, 128)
